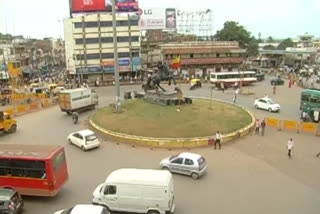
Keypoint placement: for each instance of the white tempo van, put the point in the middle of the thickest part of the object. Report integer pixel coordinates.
(137, 190)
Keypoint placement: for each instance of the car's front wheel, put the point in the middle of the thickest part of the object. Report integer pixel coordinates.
(194, 175)
(256, 106)
(270, 109)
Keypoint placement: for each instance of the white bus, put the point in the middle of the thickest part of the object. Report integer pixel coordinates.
(233, 78)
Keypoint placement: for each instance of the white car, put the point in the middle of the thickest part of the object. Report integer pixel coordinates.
(84, 209)
(185, 163)
(85, 139)
(266, 104)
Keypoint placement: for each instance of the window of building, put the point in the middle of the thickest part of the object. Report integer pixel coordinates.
(123, 39)
(123, 55)
(106, 24)
(191, 55)
(92, 40)
(91, 24)
(135, 54)
(79, 41)
(93, 56)
(135, 39)
(134, 22)
(107, 55)
(123, 23)
(107, 40)
(78, 25)
(217, 55)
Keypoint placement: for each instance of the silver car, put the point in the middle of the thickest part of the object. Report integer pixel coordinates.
(185, 163)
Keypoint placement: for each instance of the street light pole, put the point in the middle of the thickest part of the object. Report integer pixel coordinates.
(115, 47)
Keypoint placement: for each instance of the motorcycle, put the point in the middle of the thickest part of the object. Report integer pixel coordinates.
(75, 118)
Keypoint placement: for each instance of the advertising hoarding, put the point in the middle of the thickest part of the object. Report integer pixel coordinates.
(152, 19)
(171, 19)
(88, 5)
(158, 19)
(127, 5)
(78, 6)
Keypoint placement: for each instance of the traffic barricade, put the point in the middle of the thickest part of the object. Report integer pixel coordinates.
(45, 103)
(21, 109)
(42, 96)
(33, 106)
(291, 125)
(309, 127)
(273, 122)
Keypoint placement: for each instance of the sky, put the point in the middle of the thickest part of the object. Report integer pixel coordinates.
(276, 18)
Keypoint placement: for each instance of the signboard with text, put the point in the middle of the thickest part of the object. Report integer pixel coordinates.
(157, 18)
(87, 6)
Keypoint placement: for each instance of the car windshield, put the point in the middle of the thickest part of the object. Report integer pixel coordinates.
(173, 156)
(201, 160)
(270, 102)
(91, 137)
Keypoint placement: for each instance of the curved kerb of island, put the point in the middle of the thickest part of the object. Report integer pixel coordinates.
(175, 142)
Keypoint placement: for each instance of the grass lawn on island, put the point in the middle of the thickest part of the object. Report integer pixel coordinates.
(151, 120)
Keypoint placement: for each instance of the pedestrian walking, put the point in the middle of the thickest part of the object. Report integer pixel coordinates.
(263, 126)
(222, 87)
(234, 97)
(218, 140)
(257, 127)
(274, 89)
(290, 147)
(318, 155)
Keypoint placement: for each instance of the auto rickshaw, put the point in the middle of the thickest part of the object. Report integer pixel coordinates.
(195, 83)
(52, 86)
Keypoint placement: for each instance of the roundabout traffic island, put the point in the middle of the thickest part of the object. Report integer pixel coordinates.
(142, 123)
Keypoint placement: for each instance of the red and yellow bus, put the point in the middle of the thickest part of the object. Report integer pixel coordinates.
(36, 170)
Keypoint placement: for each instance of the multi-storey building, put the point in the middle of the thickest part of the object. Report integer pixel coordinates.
(89, 46)
(201, 57)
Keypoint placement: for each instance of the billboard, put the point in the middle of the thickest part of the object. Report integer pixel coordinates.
(78, 6)
(152, 19)
(88, 5)
(171, 19)
(158, 19)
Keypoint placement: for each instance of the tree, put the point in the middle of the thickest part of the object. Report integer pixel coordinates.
(270, 39)
(285, 44)
(269, 47)
(232, 31)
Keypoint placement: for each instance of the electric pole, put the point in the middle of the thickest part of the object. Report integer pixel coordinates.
(115, 47)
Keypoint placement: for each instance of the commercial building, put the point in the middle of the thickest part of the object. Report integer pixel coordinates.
(202, 57)
(89, 46)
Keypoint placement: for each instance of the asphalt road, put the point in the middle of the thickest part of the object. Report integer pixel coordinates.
(251, 175)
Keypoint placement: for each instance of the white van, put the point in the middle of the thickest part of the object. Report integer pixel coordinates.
(137, 190)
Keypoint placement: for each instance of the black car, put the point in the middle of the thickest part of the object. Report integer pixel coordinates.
(10, 201)
(277, 81)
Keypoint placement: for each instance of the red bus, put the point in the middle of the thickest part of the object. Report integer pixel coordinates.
(37, 170)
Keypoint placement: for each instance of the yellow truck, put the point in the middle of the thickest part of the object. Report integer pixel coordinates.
(7, 124)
